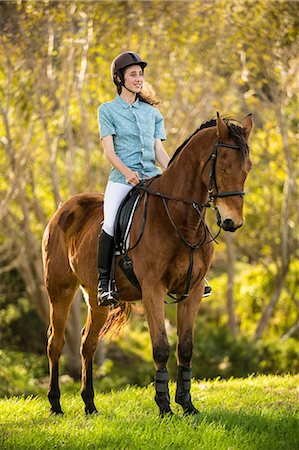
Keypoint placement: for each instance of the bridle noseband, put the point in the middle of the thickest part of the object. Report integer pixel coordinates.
(212, 181)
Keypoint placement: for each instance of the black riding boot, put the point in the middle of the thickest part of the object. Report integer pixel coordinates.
(106, 296)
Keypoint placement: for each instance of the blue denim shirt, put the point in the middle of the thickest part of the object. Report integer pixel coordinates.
(134, 128)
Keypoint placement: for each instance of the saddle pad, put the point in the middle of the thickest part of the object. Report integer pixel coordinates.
(124, 219)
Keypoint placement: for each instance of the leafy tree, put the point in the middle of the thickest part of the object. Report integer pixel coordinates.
(231, 56)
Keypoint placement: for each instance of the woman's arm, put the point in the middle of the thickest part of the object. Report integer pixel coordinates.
(161, 155)
(108, 146)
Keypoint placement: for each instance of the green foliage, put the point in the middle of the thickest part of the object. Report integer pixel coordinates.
(254, 413)
(218, 353)
(126, 362)
(20, 326)
(253, 285)
(231, 56)
(21, 373)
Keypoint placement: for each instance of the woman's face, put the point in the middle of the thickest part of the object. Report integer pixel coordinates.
(134, 78)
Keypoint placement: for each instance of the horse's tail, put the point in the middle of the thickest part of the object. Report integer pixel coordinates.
(117, 318)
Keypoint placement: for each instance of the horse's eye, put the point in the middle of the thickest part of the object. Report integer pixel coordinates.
(225, 169)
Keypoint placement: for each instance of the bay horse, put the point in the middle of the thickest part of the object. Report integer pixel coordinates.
(208, 169)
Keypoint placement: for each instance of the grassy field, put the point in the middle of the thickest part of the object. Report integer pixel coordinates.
(259, 413)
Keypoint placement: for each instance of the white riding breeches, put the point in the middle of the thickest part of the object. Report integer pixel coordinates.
(114, 194)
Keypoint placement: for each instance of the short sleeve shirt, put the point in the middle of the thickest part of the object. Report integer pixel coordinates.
(134, 128)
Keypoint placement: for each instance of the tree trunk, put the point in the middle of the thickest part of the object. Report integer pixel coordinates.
(228, 238)
(268, 311)
(86, 138)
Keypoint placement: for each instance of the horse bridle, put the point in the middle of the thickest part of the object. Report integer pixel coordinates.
(212, 180)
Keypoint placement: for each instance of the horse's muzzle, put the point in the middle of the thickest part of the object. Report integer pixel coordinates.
(229, 225)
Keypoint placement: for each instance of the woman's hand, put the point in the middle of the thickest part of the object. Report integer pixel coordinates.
(132, 177)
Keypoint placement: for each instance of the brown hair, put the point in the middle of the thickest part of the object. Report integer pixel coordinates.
(147, 94)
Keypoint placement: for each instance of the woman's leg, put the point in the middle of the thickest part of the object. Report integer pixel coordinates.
(114, 194)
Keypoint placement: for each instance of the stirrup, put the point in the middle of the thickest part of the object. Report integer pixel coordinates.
(208, 289)
(108, 298)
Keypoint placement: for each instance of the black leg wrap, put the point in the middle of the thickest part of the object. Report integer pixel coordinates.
(182, 395)
(162, 392)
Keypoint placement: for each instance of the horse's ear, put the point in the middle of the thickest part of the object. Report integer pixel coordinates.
(222, 130)
(247, 125)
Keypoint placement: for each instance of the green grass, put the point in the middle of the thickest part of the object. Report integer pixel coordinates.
(259, 413)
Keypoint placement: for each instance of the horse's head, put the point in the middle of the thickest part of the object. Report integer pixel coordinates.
(229, 167)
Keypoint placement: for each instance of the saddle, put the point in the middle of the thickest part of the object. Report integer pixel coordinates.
(122, 228)
(123, 220)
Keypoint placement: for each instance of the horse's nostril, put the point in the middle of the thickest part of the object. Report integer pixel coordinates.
(228, 225)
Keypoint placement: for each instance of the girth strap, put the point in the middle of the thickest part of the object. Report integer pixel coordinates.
(188, 282)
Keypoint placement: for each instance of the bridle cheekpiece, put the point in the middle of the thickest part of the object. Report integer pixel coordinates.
(212, 180)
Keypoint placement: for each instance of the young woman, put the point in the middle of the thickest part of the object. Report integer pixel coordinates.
(131, 130)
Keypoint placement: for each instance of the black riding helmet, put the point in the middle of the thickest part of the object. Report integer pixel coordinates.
(123, 61)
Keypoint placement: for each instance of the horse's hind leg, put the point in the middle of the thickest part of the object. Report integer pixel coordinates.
(60, 302)
(187, 312)
(96, 317)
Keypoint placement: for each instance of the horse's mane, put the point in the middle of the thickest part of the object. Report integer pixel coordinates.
(236, 132)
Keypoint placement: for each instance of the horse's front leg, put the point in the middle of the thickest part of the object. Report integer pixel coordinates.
(154, 310)
(187, 312)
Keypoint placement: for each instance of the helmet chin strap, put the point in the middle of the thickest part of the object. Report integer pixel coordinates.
(123, 84)
(129, 89)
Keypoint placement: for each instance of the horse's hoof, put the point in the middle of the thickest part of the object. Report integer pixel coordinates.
(166, 413)
(187, 406)
(58, 412)
(91, 413)
(191, 411)
(90, 410)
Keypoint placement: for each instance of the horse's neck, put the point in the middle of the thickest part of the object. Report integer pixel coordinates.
(183, 178)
